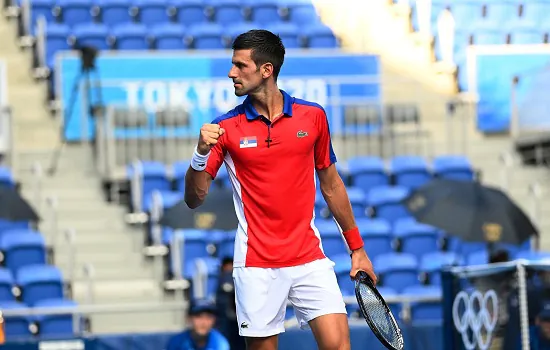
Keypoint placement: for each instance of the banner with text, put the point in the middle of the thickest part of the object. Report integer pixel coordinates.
(199, 83)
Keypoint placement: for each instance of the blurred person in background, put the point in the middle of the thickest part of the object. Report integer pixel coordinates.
(225, 300)
(540, 334)
(200, 335)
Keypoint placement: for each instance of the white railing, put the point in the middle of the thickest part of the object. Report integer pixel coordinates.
(41, 70)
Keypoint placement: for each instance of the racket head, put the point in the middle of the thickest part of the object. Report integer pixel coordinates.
(377, 313)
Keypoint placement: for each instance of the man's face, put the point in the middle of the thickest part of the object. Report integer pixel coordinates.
(202, 323)
(545, 328)
(246, 76)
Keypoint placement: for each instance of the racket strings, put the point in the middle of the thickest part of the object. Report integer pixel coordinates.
(383, 320)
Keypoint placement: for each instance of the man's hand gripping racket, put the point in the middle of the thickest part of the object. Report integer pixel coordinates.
(373, 307)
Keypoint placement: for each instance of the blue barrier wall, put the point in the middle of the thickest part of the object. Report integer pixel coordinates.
(494, 69)
(199, 82)
(418, 337)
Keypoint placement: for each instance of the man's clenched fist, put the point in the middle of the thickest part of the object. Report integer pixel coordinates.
(210, 133)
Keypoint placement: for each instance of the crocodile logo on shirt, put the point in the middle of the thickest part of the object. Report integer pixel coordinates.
(244, 325)
(301, 134)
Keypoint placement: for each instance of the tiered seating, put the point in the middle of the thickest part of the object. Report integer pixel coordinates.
(480, 22)
(174, 24)
(27, 279)
(408, 255)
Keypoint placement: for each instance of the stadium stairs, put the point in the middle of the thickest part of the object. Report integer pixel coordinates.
(102, 240)
(411, 75)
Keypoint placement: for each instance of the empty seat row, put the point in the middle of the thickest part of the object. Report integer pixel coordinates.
(188, 12)
(39, 325)
(31, 284)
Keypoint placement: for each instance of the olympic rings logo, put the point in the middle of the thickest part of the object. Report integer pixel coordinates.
(476, 317)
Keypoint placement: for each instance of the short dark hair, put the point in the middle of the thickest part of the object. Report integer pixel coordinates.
(266, 47)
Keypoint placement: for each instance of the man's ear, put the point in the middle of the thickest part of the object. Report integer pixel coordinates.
(266, 70)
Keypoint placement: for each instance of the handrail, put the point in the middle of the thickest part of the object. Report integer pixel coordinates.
(38, 174)
(536, 191)
(52, 205)
(89, 273)
(70, 240)
(506, 158)
(97, 309)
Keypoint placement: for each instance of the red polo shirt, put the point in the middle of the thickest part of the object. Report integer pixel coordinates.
(271, 167)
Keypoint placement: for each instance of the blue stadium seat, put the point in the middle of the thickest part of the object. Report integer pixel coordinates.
(397, 270)
(151, 12)
(489, 36)
(212, 268)
(453, 167)
(222, 178)
(410, 171)
(466, 248)
(6, 285)
(536, 11)
(153, 177)
(231, 32)
(6, 177)
(342, 267)
(56, 325)
(167, 199)
(386, 202)
(415, 238)
(228, 12)
(6, 225)
(264, 11)
(75, 11)
(168, 36)
(332, 241)
(91, 34)
(179, 169)
(367, 172)
(501, 11)
(425, 311)
(320, 36)
(41, 8)
(466, 11)
(39, 282)
(207, 36)
(113, 12)
(301, 12)
(56, 40)
(196, 244)
(357, 199)
(15, 326)
(321, 208)
(479, 257)
(376, 234)
(189, 12)
(525, 31)
(130, 36)
(226, 244)
(533, 256)
(431, 264)
(289, 34)
(22, 248)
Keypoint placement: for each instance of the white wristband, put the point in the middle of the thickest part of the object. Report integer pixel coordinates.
(198, 161)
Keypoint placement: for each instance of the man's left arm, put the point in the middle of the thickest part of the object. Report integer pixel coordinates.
(335, 194)
(337, 199)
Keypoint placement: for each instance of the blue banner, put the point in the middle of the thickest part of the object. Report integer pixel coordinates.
(417, 337)
(494, 72)
(199, 82)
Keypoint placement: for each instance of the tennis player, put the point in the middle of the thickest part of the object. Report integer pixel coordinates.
(271, 145)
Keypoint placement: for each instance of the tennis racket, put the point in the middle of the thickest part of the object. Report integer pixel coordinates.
(375, 310)
(377, 313)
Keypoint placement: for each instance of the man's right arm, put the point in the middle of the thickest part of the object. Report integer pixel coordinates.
(197, 180)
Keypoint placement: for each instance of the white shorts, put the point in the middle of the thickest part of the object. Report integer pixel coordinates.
(261, 296)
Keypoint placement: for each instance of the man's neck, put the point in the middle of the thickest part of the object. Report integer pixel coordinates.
(268, 101)
(199, 340)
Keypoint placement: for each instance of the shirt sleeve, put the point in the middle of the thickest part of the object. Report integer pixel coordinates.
(217, 155)
(324, 154)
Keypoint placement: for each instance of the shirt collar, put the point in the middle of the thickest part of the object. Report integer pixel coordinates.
(252, 113)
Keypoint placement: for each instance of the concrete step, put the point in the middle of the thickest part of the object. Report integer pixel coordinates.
(138, 322)
(98, 259)
(113, 273)
(119, 291)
